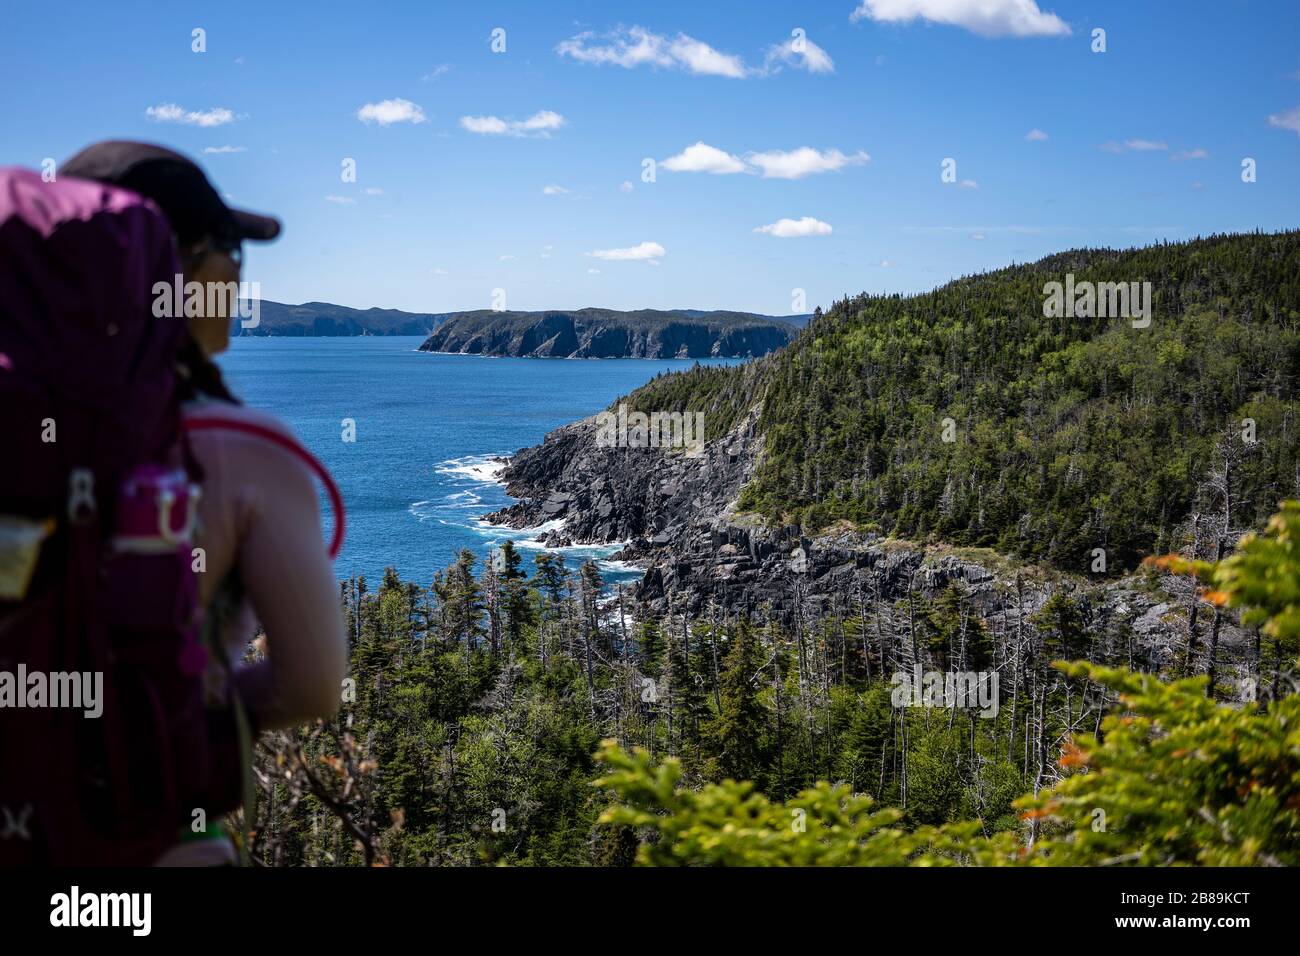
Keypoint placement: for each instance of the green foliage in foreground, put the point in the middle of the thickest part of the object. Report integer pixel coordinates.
(1174, 779)
(1262, 578)
(468, 733)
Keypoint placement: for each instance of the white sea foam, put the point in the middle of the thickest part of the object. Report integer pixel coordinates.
(478, 483)
(485, 468)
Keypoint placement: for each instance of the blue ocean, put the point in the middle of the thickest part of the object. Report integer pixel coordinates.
(421, 473)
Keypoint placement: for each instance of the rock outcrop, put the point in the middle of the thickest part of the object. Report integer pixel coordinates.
(677, 517)
(603, 333)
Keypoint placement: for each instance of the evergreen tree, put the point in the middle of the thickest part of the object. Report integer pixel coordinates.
(738, 732)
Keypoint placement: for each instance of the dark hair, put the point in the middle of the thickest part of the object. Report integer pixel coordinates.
(199, 375)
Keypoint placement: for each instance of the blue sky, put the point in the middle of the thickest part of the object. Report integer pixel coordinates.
(846, 131)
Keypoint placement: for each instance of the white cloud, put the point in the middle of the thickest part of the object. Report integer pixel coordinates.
(969, 184)
(978, 237)
(373, 191)
(886, 264)
(645, 251)
(627, 186)
(805, 161)
(507, 258)
(539, 124)
(440, 70)
(554, 190)
(801, 53)
(1197, 153)
(699, 57)
(593, 272)
(986, 18)
(341, 200)
(1288, 120)
(1135, 146)
(703, 158)
(388, 112)
(1036, 135)
(441, 272)
(637, 46)
(211, 150)
(795, 228)
(171, 113)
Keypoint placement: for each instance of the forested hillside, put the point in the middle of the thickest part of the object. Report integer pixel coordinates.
(1067, 434)
(327, 319)
(749, 699)
(470, 726)
(609, 333)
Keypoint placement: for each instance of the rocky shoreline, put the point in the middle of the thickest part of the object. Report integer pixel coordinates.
(702, 558)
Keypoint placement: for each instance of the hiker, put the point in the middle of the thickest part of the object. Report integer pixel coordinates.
(254, 538)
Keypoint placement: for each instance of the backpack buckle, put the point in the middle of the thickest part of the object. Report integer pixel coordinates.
(81, 496)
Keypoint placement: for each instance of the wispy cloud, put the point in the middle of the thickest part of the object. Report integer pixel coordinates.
(703, 158)
(1036, 135)
(388, 112)
(341, 200)
(631, 47)
(637, 46)
(804, 161)
(1290, 119)
(554, 190)
(645, 251)
(1134, 146)
(171, 113)
(214, 150)
(1196, 153)
(796, 228)
(539, 124)
(801, 53)
(442, 69)
(373, 191)
(986, 18)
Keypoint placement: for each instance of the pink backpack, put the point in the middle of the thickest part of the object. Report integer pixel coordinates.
(96, 574)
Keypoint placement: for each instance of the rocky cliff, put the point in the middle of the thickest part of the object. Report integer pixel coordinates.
(677, 517)
(604, 333)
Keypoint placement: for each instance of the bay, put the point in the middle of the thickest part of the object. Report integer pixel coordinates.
(420, 473)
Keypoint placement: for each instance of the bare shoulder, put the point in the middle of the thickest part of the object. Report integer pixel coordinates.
(247, 441)
(225, 418)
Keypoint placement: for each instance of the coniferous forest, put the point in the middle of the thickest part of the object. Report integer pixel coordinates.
(519, 717)
(524, 712)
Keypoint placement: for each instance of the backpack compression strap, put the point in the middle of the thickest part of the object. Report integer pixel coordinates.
(201, 423)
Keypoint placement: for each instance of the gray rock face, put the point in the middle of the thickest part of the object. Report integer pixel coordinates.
(645, 496)
(677, 515)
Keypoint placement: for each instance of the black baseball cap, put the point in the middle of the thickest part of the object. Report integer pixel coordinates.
(176, 184)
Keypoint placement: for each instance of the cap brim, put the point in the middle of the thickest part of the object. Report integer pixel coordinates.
(255, 227)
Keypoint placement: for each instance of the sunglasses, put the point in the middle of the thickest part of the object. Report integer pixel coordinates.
(234, 250)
